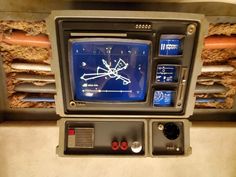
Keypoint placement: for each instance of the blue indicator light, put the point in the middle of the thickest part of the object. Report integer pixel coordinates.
(166, 73)
(170, 47)
(163, 98)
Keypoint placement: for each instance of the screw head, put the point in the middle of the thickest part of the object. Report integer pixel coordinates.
(191, 29)
(160, 126)
(179, 104)
(72, 103)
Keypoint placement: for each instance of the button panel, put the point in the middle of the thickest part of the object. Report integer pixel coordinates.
(105, 137)
(168, 137)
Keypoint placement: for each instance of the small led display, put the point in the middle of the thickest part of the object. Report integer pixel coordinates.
(163, 98)
(166, 73)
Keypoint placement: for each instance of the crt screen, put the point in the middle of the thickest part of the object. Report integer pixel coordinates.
(109, 69)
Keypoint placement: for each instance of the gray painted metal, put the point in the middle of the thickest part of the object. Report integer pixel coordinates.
(60, 106)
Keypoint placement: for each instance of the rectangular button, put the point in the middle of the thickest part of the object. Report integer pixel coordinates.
(171, 45)
(166, 73)
(164, 98)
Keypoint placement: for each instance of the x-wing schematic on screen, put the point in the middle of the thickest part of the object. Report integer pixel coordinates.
(110, 70)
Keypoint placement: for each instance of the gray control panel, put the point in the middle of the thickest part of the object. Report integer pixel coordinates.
(125, 81)
(169, 137)
(132, 137)
(143, 64)
(105, 137)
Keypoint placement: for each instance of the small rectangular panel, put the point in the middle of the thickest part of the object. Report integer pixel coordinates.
(164, 98)
(81, 137)
(168, 138)
(171, 45)
(167, 73)
(84, 137)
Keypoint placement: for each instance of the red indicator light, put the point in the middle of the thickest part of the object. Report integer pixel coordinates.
(124, 145)
(115, 145)
(71, 132)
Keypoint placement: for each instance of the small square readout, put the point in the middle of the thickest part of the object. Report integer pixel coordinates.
(163, 98)
(171, 45)
(167, 73)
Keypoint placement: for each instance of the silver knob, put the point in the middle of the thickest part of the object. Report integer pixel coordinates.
(136, 147)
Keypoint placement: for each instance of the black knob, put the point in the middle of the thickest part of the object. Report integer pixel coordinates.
(171, 131)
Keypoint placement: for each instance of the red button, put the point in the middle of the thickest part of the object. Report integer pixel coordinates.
(115, 145)
(71, 132)
(124, 145)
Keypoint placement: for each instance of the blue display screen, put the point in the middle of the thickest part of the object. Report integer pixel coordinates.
(170, 47)
(110, 69)
(163, 98)
(166, 73)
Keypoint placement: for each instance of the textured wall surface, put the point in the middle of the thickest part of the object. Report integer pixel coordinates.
(27, 149)
(209, 7)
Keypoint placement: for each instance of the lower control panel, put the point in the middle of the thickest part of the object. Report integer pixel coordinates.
(169, 137)
(124, 137)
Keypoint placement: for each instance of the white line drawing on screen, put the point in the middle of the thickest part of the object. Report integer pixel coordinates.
(158, 96)
(108, 71)
(107, 91)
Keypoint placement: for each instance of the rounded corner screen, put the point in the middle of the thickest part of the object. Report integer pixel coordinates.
(112, 70)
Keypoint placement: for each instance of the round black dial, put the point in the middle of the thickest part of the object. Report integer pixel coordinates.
(171, 131)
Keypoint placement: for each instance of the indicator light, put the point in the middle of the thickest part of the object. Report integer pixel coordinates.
(71, 132)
